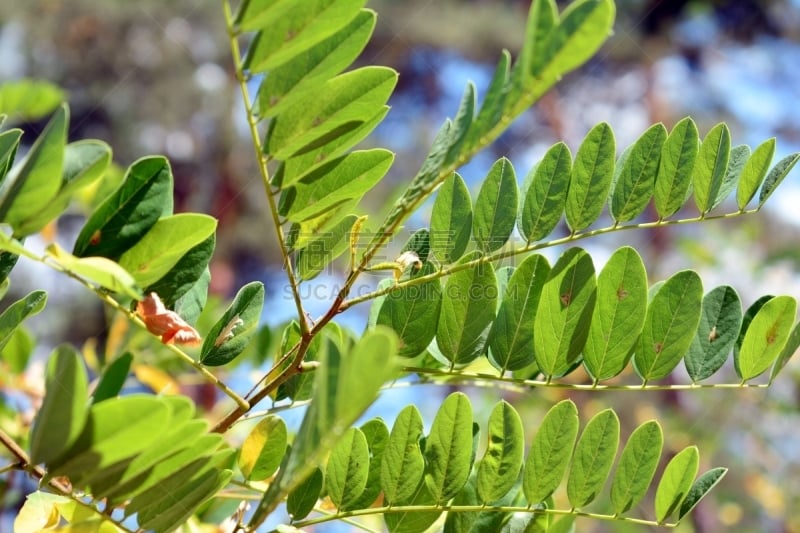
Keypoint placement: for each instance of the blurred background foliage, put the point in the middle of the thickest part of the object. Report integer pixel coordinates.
(155, 77)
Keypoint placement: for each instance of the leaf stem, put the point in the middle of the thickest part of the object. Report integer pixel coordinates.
(474, 509)
(503, 254)
(262, 165)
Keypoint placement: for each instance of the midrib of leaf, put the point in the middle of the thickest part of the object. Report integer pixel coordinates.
(672, 321)
(636, 182)
(517, 329)
(549, 186)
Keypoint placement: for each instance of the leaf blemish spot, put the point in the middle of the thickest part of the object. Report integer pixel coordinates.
(228, 331)
(566, 298)
(622, 293)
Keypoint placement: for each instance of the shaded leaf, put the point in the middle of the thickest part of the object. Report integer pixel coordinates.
(700, 488)
(776, 175)
(302, 499)
(324, 249)
(16, 313)
(231, 334)
(720, 322)
(113, 378)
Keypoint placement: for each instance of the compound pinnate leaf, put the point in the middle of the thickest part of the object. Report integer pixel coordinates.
(676, 481)
(511, 336)
(635, 182)
(348, 468)
(263, 449)
(546, 196)
(231, 334)
(496, 207)
(62, 417)
(127, 214)
(451, 220)
(637, 466)
(678, 156)
(413, 313)
(710, 167)
(618, 316)
(720, 322)
(593, 457)
(550, 452)
(670, 325)
(564, 313)
(766, 336)
(468, 307)
(591, 177)
(754, 171)
(403, 464)
(499, 469)
(448, 450)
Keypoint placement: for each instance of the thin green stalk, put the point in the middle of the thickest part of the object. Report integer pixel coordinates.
(503, 254)
(476, 509)
(262, 164)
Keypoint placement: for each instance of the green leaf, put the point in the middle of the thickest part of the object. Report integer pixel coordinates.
(113, 378)
(29, 99)
(161, 248)
(766, 336)
(670, 325)
(499, 469)
(62, 416)
(676, 482)
(593, 458)
(749, 315)
(618, 315)
(495, 207)
(334, 108)
(468, 307)
(16, 313)
(231, 334)
(789, 349)
(84, 162)
(776, 175)
(637, 466)
(126, 215)
(104, 272)
(461, 124)
(345, 178)
(291, 29)
(738, 158)
(591, 177)
(115, 430)
(564, 313)
(377, 435)
(754, 172)
(583, 27)
(550, 452)
(710, 167)
(489, 520)
(298, 387)
(542, 18)
(413, 313)
(9, 142)
(186, 275)
(302, 500)
(492, 106)
(294, 168)
(293, 80)
(323, 250)
(347, 470)
(147, 473)
(678, 156)
(33, 184)
(451, 220)
(18, 351)
(510, 339)
(720, 322)
(448, 450)
(403, 465)
(546, 196)
(636, 181)
(700, 488)
(262, 450)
